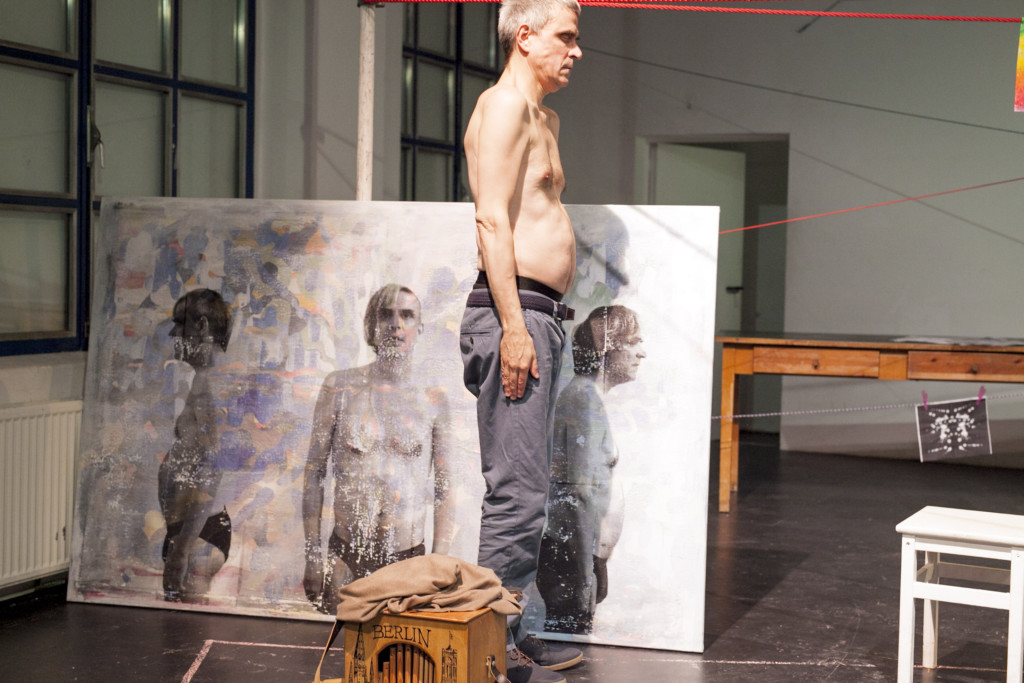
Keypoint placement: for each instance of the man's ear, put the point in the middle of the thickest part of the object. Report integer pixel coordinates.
(523, 34)
(204, 326)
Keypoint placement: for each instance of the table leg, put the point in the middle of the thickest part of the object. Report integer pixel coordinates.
(908, 575)
(728, 454)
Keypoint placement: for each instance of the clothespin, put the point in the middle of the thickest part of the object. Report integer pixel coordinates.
(924, 397)
(981, 395)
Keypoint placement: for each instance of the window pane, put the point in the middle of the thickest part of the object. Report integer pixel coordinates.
(480, 34)
(435, 28)
(208, 148)
(407, 100)
(407, 173)
(409, 22)
(132, 32)
(211, 31)
(433, 96)
(40, 23)
(433, 176)
(131, 123)
(34, 132)
(33, 272)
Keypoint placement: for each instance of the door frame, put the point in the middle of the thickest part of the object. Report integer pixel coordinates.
(767, 185)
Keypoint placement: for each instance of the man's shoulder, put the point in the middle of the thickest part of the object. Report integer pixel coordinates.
(580, 392)
(347, 377)
(437, 395)
(504, 99)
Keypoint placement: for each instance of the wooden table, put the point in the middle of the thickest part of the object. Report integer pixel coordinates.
(873, 357)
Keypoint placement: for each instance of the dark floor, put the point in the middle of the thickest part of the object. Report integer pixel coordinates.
(802, 585)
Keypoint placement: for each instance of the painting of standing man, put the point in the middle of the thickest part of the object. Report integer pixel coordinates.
(383, 431)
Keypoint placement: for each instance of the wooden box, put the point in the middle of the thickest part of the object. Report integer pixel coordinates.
(425, 647)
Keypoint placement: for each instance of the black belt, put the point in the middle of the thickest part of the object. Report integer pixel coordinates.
(481, 298)
(527, 283)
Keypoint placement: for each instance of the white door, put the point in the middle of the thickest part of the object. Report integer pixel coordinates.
(700, 176)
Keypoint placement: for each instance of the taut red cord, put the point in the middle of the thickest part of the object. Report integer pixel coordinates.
(872, 206)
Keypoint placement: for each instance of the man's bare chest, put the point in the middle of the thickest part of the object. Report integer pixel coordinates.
(385, 421)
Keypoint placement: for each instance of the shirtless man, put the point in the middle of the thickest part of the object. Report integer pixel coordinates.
(387, 434)
(512, 335)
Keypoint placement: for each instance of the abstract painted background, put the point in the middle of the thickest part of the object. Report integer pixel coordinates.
(297, 277)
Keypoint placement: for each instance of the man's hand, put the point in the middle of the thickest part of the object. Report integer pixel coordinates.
(313, 583)
(601, 577)
(518, 359)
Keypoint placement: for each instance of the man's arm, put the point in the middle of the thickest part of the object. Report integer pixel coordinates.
(444, 475)
(313, 489)
(608, 537)
(502, 151)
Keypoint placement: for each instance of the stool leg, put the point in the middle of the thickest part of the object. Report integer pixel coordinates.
(930, 617)
(908, 575)
(1015, 633)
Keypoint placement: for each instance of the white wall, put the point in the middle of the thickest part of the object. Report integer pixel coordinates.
(876, 110)
(307, 67)
(946, 266)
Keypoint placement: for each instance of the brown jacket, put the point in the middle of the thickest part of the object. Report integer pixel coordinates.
(431, 582)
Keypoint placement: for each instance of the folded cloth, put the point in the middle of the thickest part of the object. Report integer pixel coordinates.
(431, 582)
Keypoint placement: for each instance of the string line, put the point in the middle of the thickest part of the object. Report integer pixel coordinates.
(872, 206)
(798, 13)
(860, 409)
(687, 7)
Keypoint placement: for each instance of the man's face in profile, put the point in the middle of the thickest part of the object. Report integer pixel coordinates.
(622, 362)
(398, 326)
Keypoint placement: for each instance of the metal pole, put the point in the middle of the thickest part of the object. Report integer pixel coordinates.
(364, 135)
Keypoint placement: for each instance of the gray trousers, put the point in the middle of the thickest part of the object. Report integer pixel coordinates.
(515, 444)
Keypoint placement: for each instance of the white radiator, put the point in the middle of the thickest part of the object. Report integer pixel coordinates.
(38, 443)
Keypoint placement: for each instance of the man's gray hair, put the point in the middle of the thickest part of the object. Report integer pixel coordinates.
(532, 13)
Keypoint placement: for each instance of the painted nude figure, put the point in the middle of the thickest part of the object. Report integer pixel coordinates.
(198, 537)
(586, 505)
(384, 433)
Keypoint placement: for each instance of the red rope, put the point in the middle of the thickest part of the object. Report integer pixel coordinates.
(872, 206)
(646, 4)
(788, 12)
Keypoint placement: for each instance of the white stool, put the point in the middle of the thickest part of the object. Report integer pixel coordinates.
(963, 533)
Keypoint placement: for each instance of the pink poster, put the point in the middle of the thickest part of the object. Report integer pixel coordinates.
(1018, 98)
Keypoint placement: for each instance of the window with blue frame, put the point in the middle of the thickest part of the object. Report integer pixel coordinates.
(108, 98)
(450, 56)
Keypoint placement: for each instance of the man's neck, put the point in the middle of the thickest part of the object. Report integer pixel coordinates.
(520, 76)
(391, 369)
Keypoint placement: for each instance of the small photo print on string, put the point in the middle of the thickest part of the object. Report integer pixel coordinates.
(949, 430)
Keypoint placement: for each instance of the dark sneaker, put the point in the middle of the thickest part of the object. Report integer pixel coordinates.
(522, 669)
(551, 656)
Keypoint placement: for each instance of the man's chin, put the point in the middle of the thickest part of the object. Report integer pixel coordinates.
(392, 354)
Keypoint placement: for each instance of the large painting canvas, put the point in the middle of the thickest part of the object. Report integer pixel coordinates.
(274, 407)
